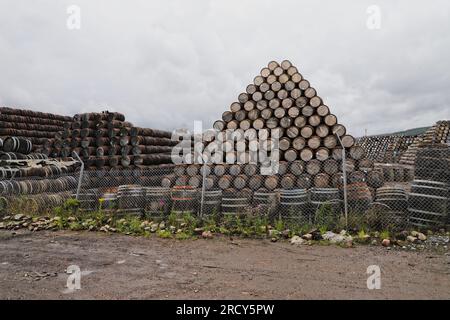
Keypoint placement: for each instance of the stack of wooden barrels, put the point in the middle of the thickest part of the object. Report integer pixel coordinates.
(280, 98)
(281, 101)
(17, 161)
(429, 200)
(105, 140)
(37, 127)
(438, 133)
(385, 149)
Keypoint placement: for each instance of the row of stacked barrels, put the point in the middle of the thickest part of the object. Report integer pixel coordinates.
(15, 155)
(37, 127)
(395, 172)
(105, 140)
(33, 203)
(385, 149)
(299, 204)
(16, 148)
(20, 187)
(290, 175)
(110, 179)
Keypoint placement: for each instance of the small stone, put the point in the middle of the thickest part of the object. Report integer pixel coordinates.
(2, 225)
(207, 235)
(421, 236)
(411, 239)
(173, 229)
(297, 240)
(414, 233)
(307, 236)
(198, 231)
(162, 225)
(6, 218)
(386, 242)
(374, 242)
(273, 239)
(19, 216)
(71, 219)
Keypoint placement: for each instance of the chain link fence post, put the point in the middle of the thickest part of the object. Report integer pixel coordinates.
(344, 176)
(81, 174)
(203, 189)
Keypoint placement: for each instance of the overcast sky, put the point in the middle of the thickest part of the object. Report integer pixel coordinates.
(167, 63)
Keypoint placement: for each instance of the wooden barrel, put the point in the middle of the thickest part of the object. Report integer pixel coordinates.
(304, 181)
(157, 202)
(322, 180)
(428, 204)
(88, 200)
(130, 199)
(271, 182)
(240, 182)
(297, 167)
(184, 199)
(359, 197)
(294, 206)
(432, 163)
(288, 181)
(108, 202)
(394, 197)
(313, 167)
(17, 144)
(212, 201)
(321, 197)
(265, 202)
(235, 202)
(375, 179)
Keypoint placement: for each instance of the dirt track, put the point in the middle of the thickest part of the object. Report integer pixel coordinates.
(32, 266)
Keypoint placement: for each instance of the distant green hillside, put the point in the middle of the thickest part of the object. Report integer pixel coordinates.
(412, 132)
(409, 132)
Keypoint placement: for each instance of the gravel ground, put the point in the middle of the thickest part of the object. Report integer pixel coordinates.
(32, 266)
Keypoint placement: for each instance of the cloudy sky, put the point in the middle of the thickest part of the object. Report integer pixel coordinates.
(167, 63)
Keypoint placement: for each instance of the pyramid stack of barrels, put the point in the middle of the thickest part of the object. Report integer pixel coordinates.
(310, 153)
(105, 140)
(438, 133)
(37, 127)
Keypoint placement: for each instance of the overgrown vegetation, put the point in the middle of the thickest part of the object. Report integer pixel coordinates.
(186, 226)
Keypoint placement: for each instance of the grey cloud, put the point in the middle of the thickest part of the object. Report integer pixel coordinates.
(168, 63)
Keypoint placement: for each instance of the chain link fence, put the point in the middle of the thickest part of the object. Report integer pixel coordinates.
(224, 191)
